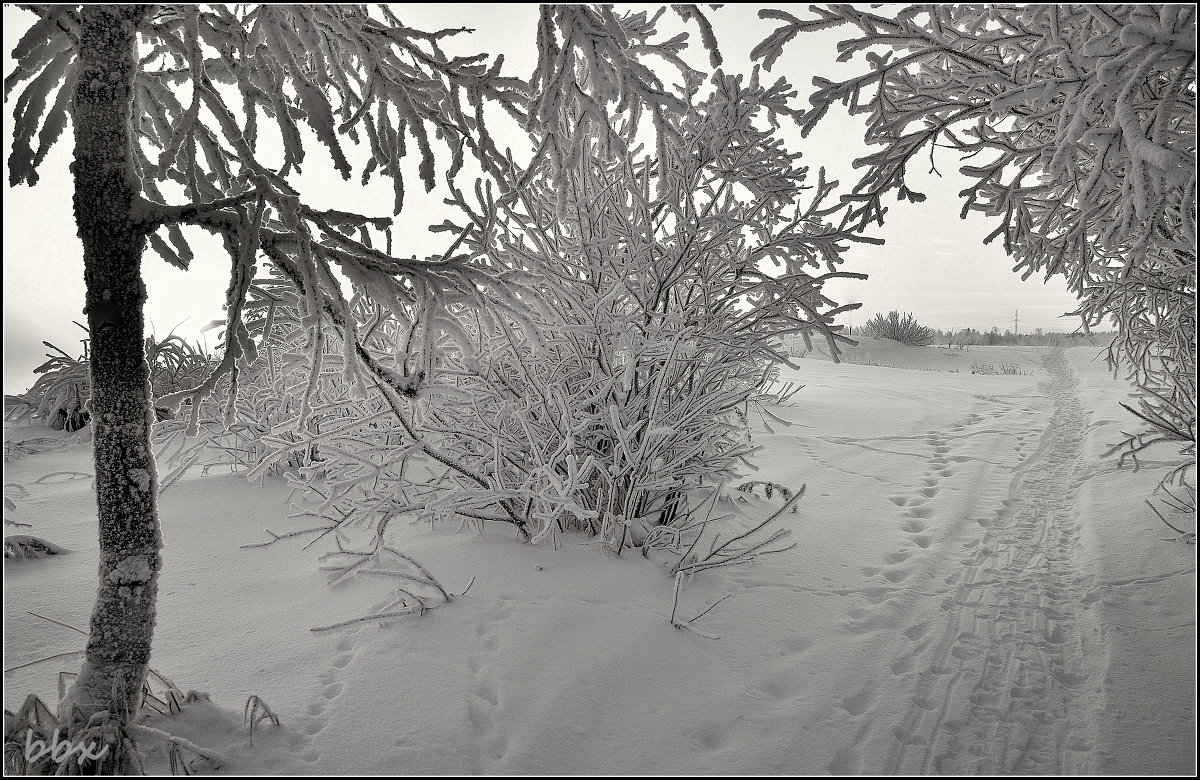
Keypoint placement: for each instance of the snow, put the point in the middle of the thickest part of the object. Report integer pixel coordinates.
(131, 570)
(975, 588)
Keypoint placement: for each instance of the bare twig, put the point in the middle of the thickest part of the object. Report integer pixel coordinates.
(376, 616)
(278, 537)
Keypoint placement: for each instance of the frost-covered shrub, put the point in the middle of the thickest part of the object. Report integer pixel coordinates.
(1157, 349)
(905, 329)
(64, 385)
(213, 431)
(660, 318)
(667, 287)
(63, 380)
(24, 547)
(60, 398)
(1004, 369)
(865, 359)
(175, 364)
(591, 361)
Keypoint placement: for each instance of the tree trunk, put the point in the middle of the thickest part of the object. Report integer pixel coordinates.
(106, 186)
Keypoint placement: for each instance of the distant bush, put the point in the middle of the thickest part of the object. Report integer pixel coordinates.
(863, 360)
(1009, 369)
(906, 330)
(59, 396)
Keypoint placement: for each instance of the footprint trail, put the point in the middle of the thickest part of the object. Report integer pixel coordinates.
(1005, 689)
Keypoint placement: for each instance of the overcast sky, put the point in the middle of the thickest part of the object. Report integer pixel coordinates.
(933, 264)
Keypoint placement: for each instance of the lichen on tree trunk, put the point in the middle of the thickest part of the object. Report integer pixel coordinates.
(106, 186)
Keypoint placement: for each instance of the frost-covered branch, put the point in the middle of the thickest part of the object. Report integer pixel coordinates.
(152, 215)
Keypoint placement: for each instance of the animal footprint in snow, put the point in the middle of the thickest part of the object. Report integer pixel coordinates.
(858, 703)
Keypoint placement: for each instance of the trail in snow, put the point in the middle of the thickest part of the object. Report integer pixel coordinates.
(1006, 689)
(489, 743)
(329, 687)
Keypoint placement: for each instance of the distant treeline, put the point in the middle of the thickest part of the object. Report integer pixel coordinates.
(968, 337)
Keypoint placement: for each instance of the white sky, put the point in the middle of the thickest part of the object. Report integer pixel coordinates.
(933, 264)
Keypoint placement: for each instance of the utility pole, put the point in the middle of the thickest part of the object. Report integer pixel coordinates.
(1016, 330)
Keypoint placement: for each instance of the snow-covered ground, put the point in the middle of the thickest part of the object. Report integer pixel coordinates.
(974, 590)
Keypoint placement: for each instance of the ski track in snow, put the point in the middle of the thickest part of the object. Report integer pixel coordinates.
(1004, 690)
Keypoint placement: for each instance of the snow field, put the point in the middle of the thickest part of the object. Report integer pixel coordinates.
(973, 590)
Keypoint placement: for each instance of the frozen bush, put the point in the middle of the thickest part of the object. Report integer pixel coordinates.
(906, 330)
(63, 386)
(667, 288)
(1006, 369)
